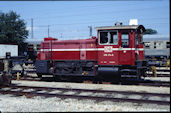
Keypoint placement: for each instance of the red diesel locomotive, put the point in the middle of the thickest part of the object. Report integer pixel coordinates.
(117, 52)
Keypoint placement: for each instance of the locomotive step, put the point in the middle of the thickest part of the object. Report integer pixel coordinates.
(128, 70)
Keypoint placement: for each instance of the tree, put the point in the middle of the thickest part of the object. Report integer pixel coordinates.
(12, 28)
(150, 31)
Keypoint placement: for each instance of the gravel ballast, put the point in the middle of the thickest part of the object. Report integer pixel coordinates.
(11, 103)
(41, 104)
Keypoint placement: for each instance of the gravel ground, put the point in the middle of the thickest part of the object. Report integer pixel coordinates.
(10, 103)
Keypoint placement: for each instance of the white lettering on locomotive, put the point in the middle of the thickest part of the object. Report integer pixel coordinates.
(111, 61)
(108, 49)
(108, 55)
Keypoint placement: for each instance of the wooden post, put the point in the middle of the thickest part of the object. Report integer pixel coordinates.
(167, 64)
(154, 70)
(18, 75)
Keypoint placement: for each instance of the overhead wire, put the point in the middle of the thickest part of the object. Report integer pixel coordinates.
(45, 26)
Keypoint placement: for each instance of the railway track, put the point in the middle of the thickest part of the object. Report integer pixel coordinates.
(160, 72)
(28, 78)
(142, 82)
(98, 95)
(146, 82)
(155, 83)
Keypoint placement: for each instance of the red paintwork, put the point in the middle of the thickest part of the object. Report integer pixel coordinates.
(74, 53)
(89, 49)
(49, 39)
(124, 56)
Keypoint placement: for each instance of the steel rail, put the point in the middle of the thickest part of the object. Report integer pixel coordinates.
(138, 83)
(78, 91)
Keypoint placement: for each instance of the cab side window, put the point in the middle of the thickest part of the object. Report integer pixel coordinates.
(103, 37)
(110, 37)
(125, 40)
(138, 37)
(113, 38)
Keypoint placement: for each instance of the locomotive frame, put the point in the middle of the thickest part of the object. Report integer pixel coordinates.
(93, 58)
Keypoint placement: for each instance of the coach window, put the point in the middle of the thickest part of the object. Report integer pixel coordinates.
(167, 44)
(125, 39)
(147, 45)
(154, 45)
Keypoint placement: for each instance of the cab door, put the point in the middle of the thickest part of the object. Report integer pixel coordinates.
(127, 48)
(108, 47)
(82, 51)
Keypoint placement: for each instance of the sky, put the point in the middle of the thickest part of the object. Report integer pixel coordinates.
(70, 19)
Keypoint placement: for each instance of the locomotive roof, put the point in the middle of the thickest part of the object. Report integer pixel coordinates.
(121, 27)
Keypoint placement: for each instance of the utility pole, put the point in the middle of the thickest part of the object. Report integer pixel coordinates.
(48, 30)
(90, 30)
(32, 28)
(61, 35)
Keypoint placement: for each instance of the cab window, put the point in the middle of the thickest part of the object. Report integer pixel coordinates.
(113, 38)
(103, 37)
(125, 39)
(138, 38)
(110, 37)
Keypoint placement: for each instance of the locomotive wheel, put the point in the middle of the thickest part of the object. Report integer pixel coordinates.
(6, 79)
(57, 77)
(116, 79)
(76, 79)
(98, 79)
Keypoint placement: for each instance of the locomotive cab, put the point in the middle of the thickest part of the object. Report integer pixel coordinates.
(120, 51)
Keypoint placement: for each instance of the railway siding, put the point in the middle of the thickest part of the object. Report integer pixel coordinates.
(82, 97)
(102, 95)
(134, 88)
